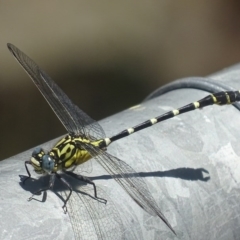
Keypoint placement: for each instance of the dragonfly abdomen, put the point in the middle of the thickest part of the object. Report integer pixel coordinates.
(220, 98)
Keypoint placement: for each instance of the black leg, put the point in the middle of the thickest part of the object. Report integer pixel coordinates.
(70, 189)
(29, 175)
(87, 180)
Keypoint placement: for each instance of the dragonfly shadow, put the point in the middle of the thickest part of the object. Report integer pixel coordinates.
(33, 185)
(190, 174)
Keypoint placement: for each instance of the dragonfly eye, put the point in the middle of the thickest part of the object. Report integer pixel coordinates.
(47, 163)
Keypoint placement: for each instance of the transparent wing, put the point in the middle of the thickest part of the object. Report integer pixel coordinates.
(129, 180)
(92, 219)
(84, 168)
(74, 119)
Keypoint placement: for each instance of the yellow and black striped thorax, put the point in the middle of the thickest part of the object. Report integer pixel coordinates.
(69, 151)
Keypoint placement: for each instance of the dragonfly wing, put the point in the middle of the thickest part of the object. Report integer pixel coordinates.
(129, 180)
(92, 219)
(74, 120)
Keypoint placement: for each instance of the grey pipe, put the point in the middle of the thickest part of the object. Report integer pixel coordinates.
(190, 163)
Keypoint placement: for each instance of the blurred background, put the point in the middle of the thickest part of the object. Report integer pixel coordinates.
(106, 56)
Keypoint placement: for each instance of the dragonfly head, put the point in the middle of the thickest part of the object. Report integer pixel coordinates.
(42, 162)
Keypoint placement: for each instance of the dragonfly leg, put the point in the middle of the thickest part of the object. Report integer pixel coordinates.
(89, 181)
(64, 181)
(29, 174)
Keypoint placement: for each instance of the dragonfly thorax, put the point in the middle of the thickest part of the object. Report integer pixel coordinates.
(42, 162)
(71, 151)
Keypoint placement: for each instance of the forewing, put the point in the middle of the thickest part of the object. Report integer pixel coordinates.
(74, 120)
(129, 179)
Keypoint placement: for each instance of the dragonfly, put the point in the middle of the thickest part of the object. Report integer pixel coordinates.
(86, 139)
